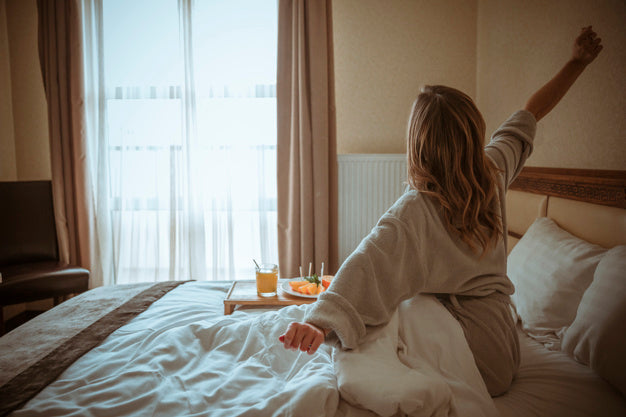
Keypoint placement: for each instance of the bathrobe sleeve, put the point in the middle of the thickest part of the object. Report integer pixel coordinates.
(385, 269)
(512, 144)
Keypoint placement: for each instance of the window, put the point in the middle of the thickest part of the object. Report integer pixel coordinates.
(190, 152)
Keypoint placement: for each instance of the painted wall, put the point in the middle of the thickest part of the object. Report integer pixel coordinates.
(28, 102)
(521, 45)
(498, 51)
(384, 52)
(8, 167)
(24, 141)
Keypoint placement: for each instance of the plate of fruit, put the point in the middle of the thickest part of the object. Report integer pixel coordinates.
(307, 287)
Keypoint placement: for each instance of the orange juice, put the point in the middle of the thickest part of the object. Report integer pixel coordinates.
(267, 280)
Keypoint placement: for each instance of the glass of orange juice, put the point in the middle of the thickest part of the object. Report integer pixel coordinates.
(267, 280)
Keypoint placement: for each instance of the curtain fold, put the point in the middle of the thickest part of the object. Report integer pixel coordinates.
(307, 159)
(60, 53)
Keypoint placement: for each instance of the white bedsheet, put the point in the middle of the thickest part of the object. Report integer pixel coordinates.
(418, 364)
(550, 383)
(182, 357)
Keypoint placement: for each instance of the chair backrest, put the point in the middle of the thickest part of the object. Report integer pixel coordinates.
(27, 227)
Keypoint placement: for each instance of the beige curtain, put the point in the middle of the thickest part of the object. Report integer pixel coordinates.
(60, 57)
(307, 159)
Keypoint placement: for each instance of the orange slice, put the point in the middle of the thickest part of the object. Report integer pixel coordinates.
(311, 288)
(326, 280)
(297, 284)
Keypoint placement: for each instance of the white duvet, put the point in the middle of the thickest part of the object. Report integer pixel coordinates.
(182, 357)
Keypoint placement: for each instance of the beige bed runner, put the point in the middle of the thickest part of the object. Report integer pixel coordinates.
(64, 334)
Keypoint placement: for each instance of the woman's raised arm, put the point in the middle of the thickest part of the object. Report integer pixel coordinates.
(586, 48)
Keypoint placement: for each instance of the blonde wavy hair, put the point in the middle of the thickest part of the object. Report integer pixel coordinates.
(446, 161)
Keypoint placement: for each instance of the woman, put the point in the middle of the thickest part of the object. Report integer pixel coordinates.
(445, 236)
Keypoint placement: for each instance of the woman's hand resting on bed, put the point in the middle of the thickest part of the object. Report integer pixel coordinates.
(304, 336)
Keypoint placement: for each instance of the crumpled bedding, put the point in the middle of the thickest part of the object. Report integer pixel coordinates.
(550, 383)
(419, 364)
(183, 357)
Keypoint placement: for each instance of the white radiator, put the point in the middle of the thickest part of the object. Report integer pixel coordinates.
(368, 185)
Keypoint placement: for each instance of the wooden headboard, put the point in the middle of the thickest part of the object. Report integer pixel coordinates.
(588, 203)
(589, 185)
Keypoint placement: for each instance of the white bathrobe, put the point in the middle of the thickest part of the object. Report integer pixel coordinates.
(410, 251)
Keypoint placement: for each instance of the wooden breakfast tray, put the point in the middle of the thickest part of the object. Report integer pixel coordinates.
(243, 293)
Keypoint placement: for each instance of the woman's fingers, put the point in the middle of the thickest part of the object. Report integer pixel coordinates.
(293, 336)
(315, 344)
(595, 47)
(297, 338)
(588, 39)
(312, 341)
(307, 341)
(586, 32)
(287, 338)
(302, 336)
(583, 35)
(587, 45)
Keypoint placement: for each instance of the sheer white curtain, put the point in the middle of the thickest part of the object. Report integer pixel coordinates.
(181, 99)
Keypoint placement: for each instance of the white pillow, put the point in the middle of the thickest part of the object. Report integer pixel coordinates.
(597, 337)
(551, 269)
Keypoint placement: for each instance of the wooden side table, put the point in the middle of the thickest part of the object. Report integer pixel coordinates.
(244, 293)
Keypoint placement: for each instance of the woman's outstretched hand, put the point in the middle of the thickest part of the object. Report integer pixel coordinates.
(304, 336)
(587, 46)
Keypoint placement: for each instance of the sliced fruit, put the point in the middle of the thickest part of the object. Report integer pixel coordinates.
(304, 289)
(297, 284)
(326, 279)
(311, 289)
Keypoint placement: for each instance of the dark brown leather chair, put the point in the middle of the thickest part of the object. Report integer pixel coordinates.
(29, 256)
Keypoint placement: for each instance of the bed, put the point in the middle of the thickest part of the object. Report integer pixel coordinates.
(590, 205)
(167, 349)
